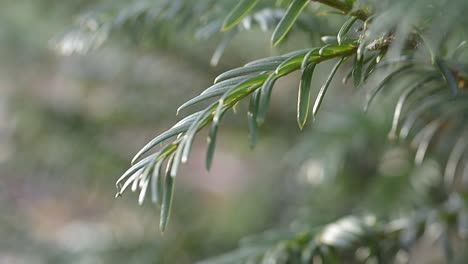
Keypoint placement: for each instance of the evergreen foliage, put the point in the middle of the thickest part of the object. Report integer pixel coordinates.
(407, 56)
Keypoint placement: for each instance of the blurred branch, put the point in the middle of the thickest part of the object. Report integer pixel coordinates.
(345, 8)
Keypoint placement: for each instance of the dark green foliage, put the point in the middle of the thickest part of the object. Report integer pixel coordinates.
(303, 97)
(285, 24)
(239, 12)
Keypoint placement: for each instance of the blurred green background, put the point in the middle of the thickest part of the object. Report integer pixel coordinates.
(69, 126)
